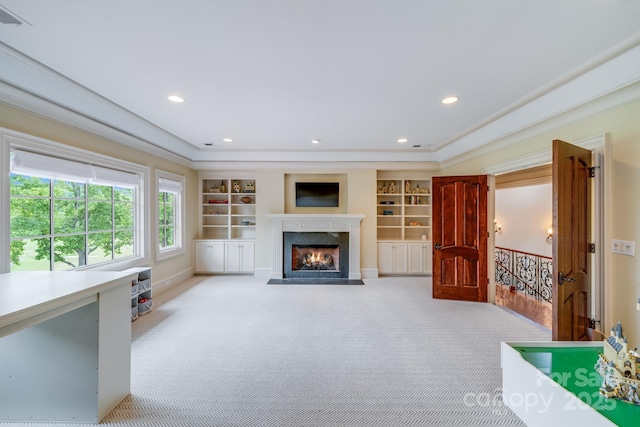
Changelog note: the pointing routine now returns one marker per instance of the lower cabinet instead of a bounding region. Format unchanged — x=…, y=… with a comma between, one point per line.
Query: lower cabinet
x=224, y=256
x=239, y=257
x=209, y=256
x=404, y=257
x=392, y=257
x=420, y=257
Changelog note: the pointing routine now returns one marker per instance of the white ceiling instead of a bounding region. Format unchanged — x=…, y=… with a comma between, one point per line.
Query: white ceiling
x=356, y=74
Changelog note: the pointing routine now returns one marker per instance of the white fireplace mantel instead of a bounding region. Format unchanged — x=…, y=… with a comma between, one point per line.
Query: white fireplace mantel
x=349, y=223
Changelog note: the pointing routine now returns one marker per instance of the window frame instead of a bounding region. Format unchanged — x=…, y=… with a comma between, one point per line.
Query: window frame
x=13, y=140
x=179, y=215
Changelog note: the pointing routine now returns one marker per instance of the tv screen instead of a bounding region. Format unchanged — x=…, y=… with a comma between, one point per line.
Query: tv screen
x=317, y=194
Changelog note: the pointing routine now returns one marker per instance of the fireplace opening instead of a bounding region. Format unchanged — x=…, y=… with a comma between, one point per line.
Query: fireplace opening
x=315, y=257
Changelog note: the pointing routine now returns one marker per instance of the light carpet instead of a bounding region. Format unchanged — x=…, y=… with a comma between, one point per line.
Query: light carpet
x=232, y=351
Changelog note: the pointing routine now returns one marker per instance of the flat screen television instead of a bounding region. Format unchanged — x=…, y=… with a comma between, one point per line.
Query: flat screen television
x=317, y=194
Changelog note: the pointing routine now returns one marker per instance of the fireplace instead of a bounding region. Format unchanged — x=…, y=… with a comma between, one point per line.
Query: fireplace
x=344, y=227
x=316, y=255
x=315, y=258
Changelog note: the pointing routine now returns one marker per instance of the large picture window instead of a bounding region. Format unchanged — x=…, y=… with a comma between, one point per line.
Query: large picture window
x=66, y=214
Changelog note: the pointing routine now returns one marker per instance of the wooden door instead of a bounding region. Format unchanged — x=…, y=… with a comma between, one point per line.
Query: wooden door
x=571, y=242
x=460, y=237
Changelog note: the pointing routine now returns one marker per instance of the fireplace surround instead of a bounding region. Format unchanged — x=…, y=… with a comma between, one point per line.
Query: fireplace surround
x=298, y=224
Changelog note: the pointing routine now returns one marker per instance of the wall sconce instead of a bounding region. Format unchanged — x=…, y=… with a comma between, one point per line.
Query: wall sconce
x=550, y=235
x=497, y=227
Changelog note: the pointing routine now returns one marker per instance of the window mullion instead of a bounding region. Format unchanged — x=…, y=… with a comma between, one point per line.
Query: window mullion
x=113, y=222
x=86, y=224
x=51, y=227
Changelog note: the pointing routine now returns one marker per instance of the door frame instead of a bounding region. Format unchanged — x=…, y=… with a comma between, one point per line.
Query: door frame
x=601, y=233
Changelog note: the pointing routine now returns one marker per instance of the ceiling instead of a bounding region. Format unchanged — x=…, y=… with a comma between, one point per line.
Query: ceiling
x=357, y=75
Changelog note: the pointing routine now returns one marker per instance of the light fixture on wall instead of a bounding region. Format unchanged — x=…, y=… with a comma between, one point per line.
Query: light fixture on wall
x=497, y=227
x=550, y=235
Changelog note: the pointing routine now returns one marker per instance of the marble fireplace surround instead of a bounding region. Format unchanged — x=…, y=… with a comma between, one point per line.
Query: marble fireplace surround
x=349, y=223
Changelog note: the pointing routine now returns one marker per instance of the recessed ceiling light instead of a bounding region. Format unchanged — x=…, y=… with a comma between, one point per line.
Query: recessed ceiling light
x=450, y=100
x=175, y=98
x=228, y=140
x=315, y=141
x=402, y=140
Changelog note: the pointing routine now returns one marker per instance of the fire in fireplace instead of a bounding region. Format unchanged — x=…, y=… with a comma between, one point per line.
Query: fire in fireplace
x=315, y=257
x=315, y=254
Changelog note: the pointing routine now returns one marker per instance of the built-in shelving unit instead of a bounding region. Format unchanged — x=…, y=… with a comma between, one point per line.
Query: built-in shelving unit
x=403, y=209
x=227, y=224
x=403, y=205
x=141, y=300
x=228, y=208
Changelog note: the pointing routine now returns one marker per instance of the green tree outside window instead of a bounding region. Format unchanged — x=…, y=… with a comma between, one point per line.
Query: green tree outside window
x=60, y=225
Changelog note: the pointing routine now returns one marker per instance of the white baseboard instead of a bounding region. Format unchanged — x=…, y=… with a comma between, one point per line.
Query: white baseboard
x=165, y=283
x=262, y=273
x=369, y=273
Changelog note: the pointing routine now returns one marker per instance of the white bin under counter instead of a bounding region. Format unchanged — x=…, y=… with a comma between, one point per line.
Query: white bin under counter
x=65, y=345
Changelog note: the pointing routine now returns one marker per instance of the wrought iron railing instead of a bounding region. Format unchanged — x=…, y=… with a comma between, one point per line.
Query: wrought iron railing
x=523, y=272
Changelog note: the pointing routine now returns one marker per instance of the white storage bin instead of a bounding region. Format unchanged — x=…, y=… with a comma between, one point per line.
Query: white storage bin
x=144, y=307
x=144, y=285
x=134, y=313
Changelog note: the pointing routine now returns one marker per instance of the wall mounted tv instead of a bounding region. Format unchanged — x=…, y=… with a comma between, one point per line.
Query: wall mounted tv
x=317, y=194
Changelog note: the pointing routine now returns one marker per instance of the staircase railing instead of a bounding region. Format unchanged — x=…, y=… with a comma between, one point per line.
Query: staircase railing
x=524, y=272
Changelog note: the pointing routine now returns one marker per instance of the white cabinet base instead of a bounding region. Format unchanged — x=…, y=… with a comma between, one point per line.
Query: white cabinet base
x=405, y=257
x=224, y=256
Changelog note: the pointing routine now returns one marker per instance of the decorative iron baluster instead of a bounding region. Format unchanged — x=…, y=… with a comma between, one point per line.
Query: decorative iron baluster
x=528, y=273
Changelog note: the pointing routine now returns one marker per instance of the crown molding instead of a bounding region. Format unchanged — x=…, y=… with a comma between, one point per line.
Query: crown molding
x=315, y=165
x=598, y=90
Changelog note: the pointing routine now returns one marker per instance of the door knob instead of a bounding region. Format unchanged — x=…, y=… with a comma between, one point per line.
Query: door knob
x=562, y=278
x=437, y=246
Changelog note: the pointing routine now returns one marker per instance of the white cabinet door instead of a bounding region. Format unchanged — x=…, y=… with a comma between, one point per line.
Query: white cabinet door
x=209, y=257
x=202, y=257
x=385, y=257
x=239, y=257
x=420, y=258
x=428, y=257
x=216, y=252
x=247, y=257
x=392, y=257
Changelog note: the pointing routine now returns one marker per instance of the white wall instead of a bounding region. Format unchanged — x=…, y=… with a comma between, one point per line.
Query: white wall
x=525, y=215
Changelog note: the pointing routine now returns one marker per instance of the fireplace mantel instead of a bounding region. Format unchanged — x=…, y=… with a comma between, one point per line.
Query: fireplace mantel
x=349, y=223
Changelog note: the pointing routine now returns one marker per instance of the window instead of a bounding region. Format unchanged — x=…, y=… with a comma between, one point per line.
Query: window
x=170, y=214
x=66, y=214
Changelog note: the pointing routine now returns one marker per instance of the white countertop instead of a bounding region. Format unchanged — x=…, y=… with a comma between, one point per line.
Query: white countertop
x=30, y=297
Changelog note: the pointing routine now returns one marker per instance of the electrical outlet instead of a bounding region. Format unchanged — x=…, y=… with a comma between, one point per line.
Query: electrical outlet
x=623, y=247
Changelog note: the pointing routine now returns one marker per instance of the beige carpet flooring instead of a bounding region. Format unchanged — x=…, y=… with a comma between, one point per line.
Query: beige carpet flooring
x=233, y=351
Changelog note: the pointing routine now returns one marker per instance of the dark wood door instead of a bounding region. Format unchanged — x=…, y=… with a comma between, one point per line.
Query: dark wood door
x=460, y=237
x=571, y=242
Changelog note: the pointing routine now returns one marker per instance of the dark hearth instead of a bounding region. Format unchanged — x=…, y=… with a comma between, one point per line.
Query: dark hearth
x=316, y=255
